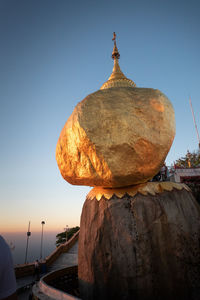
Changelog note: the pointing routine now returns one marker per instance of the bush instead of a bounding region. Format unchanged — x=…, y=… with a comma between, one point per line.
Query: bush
x=64, y=236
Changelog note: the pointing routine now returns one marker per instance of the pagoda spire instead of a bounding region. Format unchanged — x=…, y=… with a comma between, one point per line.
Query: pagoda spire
x=115, y=53
x=117, y=78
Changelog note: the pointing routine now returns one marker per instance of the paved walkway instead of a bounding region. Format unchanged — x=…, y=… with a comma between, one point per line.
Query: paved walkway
x=21, y=282
x=24, y=286
x=67, y=259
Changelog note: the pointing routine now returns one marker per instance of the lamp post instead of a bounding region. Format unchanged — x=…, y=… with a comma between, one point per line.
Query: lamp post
x=66, y=230
x=41, y=240
x=28, y=235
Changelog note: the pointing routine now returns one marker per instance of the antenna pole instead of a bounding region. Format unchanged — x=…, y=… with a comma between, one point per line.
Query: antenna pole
x=28, y=235
x=42, y=223
x=194, y=121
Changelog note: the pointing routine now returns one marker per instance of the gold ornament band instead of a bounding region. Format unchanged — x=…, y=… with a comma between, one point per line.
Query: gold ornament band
x=151, y=188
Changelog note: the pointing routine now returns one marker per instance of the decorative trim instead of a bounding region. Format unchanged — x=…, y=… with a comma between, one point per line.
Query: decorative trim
x=151, y=188
x=121, y=82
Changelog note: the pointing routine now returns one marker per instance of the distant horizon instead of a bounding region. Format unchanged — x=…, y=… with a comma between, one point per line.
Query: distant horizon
x=18, y=240
x=32, y=231
x=11, y=231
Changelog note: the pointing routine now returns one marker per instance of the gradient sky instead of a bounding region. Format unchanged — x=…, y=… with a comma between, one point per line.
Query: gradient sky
x=53, y=53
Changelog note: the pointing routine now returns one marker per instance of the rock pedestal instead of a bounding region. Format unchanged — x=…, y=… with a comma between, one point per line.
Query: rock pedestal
x=140, y=247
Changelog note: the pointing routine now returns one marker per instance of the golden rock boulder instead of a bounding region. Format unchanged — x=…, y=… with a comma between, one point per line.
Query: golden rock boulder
x=116, y=137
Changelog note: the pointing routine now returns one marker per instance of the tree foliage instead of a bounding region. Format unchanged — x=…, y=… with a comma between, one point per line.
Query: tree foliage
x=189, y=160
x=64, y=236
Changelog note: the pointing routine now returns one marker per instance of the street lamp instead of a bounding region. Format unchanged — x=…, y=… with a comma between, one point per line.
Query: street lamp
x=41, y=240
x=66, y=230
x=28, y=235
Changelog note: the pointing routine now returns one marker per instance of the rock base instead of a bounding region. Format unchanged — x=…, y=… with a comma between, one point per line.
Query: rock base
x=140, y=247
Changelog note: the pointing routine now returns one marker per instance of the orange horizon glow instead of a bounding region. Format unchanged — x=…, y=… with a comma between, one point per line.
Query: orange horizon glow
x=35, y=228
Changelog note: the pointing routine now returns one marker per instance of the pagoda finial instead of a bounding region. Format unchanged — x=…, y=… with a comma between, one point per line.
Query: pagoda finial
x=115, y=53
x=117, y=78
x=114, y=38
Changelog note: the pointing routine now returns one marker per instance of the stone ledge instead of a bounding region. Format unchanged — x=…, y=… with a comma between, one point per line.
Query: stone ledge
x=44, y=290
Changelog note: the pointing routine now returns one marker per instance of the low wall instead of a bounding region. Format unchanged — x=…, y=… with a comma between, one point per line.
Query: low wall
x=62, y=249
x=45, y=290
x=24, y=270
x=49, y=278
x=29, y=269
x=185, y=172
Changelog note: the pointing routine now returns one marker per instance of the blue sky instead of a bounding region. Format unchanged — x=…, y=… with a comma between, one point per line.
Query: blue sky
x=53, y=54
